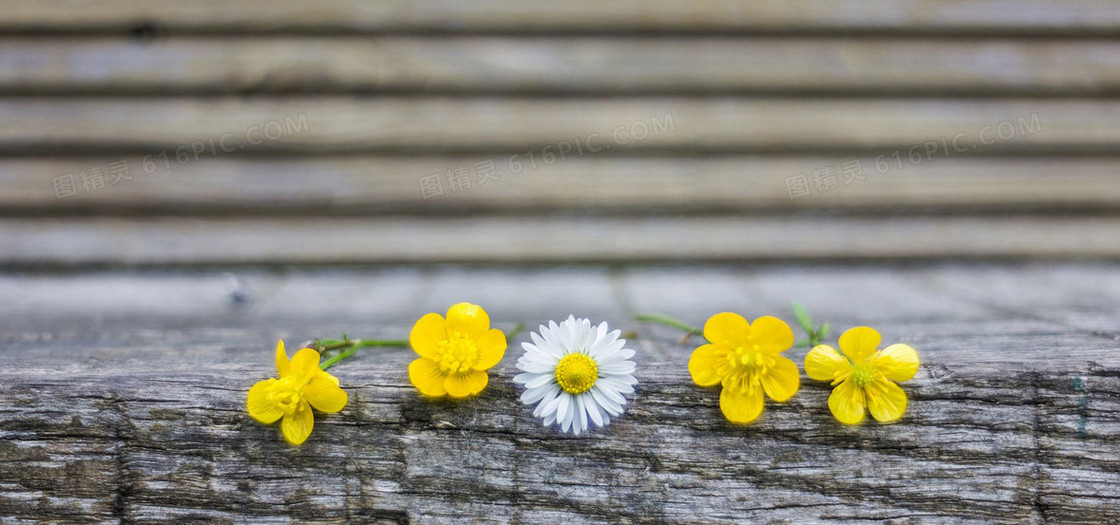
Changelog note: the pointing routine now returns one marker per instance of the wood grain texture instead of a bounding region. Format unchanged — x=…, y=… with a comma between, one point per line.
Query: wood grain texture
x=576, y=65
x=374, y=185
x=513, y=125
x=276, y=152
x=1075, y=17
x=245, y=241
x=127, y=420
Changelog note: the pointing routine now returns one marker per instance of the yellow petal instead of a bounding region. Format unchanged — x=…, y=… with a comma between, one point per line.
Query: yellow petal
x=305, y=364
x=824, y=363
x=708, y=364
x=782, y=380
x=859, y=343
x=885, y=400
x=772, y=334
x=426, y=377
x=426, y=334
x=297, y=425
x=324, y=393
x=491, y=347
x=467, y=384
x=898, y=362
x=741, y=405
x=846, y=403
x=260, y=407
x=468, y=319
x=281, y=359
x=728, y=329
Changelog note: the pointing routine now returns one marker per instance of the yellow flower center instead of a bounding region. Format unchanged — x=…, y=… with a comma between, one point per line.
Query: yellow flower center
x=862, y=375
x=458, y=354
x=576, y=373
x=751, y=358
x=287, y=395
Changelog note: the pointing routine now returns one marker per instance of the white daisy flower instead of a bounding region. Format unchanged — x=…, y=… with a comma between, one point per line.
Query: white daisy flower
x=576, y=374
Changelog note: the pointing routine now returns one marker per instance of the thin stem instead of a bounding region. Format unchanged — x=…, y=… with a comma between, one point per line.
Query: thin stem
x=339, y=357
x=380, y=342
x=351, y=346
x=515, y=331
x=669, y=321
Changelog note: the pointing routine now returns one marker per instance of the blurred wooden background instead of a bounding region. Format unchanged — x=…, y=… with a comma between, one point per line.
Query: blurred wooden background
x=348, y=132
x=183, y=183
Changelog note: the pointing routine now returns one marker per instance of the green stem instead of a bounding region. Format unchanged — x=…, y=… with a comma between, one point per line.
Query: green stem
x=669, y=321
x=350, y=346
x=326, y=345
x=381, y=342
x=338, y=357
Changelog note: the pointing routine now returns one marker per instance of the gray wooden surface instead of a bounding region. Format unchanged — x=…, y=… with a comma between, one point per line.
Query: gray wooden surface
x=183, y=183
x=122, y=400
x=982, y=129
x=984, y=17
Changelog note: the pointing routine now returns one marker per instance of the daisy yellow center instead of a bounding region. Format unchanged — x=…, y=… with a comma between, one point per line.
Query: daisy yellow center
x=751, y=358
x=458, y=354
x=287, y=395
x=862, y=375
x=576, y=373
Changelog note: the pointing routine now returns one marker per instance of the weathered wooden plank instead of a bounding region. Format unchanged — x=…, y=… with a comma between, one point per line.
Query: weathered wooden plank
x=217, y=127
x=143, y=315
x=994, y=432
x=560, y=65
x=369, y=185
x=1075, y=17
x=531, y=239
x=121, y=420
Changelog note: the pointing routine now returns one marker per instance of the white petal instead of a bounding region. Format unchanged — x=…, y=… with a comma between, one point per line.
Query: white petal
x=619, y=368
x=602, y=343
x=579, y=419
x=543, y=345
x=612, y=384
x=586, y=403
x=534, y=395
x=538, y=380
x=627, y=380
x=576, y=428
x=586, y=335
x=621, y=354
x=568, y=336
x=593, y=411
x=553, y=336
x=611, y=406
x=548, y=405
x=562, y=408
x=601, y=330
x=573, y=416
x=564, y=415
x=524, y=378
x=537, y=365
x=611, y=393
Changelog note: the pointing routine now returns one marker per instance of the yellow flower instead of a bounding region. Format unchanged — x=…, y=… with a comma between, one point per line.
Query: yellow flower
x=302, y=385
x=455, y=352
x=745, y=358
x=865, y=376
